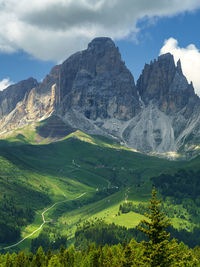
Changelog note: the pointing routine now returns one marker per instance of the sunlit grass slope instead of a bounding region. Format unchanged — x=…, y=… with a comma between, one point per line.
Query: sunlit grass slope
x=37, y=173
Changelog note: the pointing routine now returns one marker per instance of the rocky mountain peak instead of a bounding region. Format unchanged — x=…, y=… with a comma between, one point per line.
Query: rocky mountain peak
x=105, y=54
x=93, y=91
x=166, y=58
x=15, y=93
x=179, y=68
x=101, y=43
x=164, y=83
x=97, y=83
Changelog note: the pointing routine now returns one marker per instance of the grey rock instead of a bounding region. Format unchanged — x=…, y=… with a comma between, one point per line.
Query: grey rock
x=95, y=92
x=164, y=84
x=97, y=83
x=15, y=93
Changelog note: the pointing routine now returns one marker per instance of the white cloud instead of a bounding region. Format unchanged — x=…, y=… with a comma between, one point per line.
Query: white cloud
x=190, y=60
x=5, y=83
x=53, y=29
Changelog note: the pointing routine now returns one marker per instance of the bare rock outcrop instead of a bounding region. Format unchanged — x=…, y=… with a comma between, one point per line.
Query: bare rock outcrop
x=95, y=92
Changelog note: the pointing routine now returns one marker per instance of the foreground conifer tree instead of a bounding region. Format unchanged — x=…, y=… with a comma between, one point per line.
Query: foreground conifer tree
x=158, y=251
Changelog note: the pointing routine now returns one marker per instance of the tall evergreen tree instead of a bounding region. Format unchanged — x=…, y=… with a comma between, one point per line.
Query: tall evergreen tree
x=128, y=258
x=158, y=251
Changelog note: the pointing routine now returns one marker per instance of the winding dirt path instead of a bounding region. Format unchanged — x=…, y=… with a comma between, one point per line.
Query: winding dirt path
x=43, y=219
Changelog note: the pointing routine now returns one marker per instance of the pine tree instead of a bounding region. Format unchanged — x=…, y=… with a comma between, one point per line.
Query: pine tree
x=20, y=259
x=108, y=258
x=8, y=261
x=54, y=262
x=128, y=258
x=158, y=251
x=39, y=258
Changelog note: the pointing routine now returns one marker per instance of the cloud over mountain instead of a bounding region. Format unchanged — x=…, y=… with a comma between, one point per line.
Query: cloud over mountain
x=53, y=29
x=190, y=60
x=5, y=83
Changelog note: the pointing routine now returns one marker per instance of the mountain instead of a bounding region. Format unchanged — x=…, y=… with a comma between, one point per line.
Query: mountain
x=170, y=112
x=93, y=91
x=91, y=106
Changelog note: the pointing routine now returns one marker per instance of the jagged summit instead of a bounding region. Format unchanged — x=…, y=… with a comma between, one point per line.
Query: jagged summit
x=164, y=84
x=95, y=92
x=97, y=83
x=167, y=57
x=179, y=68
x=14, y=94
x=168, y=60
x=99, y=42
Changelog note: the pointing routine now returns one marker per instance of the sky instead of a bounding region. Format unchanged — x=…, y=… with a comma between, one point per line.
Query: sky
x=36, y=35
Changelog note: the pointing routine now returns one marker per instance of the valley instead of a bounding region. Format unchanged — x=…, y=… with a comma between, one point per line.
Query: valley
x=78, y=178
x=99, y=133
x=82, y=149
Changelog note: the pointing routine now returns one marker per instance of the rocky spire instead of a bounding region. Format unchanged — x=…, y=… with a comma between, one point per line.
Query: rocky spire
x=179, y=68
x=156, y=78
x=14, y=94
x=164, y=83
x=101, y=43
x=97, y=82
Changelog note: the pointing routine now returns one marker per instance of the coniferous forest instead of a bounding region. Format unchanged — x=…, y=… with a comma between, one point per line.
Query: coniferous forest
x=155, y=247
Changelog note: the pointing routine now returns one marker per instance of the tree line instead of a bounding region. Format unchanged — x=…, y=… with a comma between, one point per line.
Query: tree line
x=12, y=217
x=158, y=250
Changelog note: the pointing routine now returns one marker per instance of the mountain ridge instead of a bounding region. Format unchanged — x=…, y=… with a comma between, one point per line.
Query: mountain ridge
x=94, y=91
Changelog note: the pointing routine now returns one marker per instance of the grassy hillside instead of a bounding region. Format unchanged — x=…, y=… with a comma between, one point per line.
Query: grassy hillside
x=37, y=173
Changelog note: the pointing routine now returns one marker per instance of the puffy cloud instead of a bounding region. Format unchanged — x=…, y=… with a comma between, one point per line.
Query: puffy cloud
x=190, y=60
x=5, y=83
x=53, y=29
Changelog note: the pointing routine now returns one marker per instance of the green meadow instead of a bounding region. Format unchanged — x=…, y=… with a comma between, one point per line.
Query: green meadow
x=37, y=173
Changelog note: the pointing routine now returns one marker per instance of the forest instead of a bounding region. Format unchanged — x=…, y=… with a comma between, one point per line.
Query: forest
x=184, y=184
x=12, y=217
x=156, y=249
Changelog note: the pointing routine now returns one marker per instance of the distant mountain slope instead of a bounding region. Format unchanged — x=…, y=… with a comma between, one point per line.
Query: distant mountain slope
x=170, y=112
x=93, y=91
x=36, y=175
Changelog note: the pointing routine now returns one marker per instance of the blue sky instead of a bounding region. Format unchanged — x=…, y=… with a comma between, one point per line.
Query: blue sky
x=140, y=39
x=183, y=27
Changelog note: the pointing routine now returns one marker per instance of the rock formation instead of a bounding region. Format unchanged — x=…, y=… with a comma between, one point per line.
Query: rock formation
x=95, y=92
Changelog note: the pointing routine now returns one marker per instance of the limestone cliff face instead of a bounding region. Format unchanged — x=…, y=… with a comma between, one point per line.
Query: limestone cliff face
x=164, y=84
x=170, y=109
x=14, y=94
x=95, y=92
x=29, y=101
x=97, y=83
